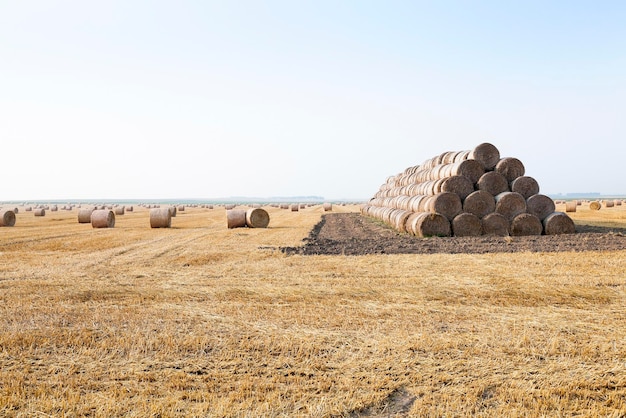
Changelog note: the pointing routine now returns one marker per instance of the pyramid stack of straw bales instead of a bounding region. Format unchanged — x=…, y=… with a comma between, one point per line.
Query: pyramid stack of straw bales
x=467, y=193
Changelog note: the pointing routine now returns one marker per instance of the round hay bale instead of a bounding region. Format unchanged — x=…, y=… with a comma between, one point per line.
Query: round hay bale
x=558, y=223
x=172, y=210
x=257, y=218
x=471, y=169
x=526, y=224
x=236, y=218
x=7, y=218
x=608, y=203
x=39, y=212
x=160, y=218
x=495, y=224
x=16, y=210
x=446, y=203
x=119, y=210
x=54, y=208
x=295, y=207
x=398, y=218
x=181, y=208
x=493, y=182
x=466, y=225
x=460, y=185
x=84, y=215
x=570, y=206
x=428, y=224
x=540, y=205
x=617, y=203
x=102, y=218
x=525, y=185
x=28, y=209
x=230, y=206
x=511, y=168
x=479, y=203
x=487, y=154
x=510, y=204
x=595, y=205
x=129, y=209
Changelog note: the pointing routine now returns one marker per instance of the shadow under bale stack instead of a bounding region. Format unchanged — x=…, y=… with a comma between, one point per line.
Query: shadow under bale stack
x=476, y=192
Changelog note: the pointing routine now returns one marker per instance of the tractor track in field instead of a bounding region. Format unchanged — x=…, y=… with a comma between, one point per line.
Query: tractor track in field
x=355, y=234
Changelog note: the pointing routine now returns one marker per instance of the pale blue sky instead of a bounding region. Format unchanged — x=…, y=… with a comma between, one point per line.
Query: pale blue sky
x=196, y=99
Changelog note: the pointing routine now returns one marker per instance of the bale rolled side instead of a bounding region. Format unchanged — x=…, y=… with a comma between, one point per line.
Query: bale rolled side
x=236, y=218
x=570, y=206
x=446, y=203
x=102, y=218
x=7, y=218
x=160, y=218
x=525, y=185
x=328, y=207
x=466, y=225
x=510, y=204
x=526, y=224
x=558, y=223
x=479, y=203
x=39, y=212
x=493, y=182
x=120, y=210
x=495, y=224
x=428, y=224
x=511, y=168
x=540, y=205
x=487, y=154
x=84, y=215
x=257, y=218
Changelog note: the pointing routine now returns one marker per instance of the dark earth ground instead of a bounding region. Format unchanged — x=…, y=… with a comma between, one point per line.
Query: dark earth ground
x=355, y=234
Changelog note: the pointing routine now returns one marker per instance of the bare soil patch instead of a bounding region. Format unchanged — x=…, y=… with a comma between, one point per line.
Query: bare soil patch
x=354, y=234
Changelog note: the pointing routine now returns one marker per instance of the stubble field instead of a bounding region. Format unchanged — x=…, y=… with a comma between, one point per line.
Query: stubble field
x=201, y=320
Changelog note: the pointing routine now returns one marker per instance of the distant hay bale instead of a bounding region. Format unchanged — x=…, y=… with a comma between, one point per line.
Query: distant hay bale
x=479, y=203
x=460, y=185
x=540, y=205
x=129, y=209
x=428, y=224
x=487, y=154
x=446, y=203
x=525, y=185
x=526, y=224
x=172, y=210
x=295, y=207
x=84, y=215
x=236, y=218
x=39, y=212
x=28, y=209
x=493, y=182
x=510, y=204
x=229, y=206
x=54, y=208
x=119, y=210
x=466, y=225
x=160, y=218
x=495, y=224
x=595, y=205
x=570, y=206
x=608, y=203
x=328, y=207
x=257, y=218
x=617, y=203
x=558, y=223
x=511, y=168
x=181, y=208
x=7, y=218
x=103, y=218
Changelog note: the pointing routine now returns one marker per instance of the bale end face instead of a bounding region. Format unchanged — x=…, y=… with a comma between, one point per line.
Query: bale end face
x=7, y=218
x=103, y=218
x=257, y=218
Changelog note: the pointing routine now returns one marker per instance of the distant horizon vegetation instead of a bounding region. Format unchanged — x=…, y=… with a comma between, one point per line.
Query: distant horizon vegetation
x=257, y=199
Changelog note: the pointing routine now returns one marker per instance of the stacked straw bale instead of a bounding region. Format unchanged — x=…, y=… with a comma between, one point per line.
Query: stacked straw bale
x=467, y=193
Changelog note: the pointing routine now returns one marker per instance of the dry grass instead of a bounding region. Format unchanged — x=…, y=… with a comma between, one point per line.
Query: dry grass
x=201, y=320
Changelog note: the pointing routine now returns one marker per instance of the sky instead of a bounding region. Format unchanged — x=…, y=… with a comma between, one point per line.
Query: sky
x=132, y=99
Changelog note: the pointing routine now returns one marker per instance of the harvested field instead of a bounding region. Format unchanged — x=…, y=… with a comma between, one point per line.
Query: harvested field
x=202, y=320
